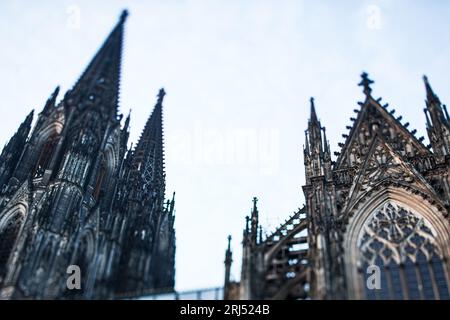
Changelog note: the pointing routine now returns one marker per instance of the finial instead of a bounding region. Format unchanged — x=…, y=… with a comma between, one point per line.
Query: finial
x=124, y=16
x=55, y=93
x=255, y=200
x=427, y=85
x=31, y=114
x=425, y=79
x=29, y=118
x=51, y=101
x=431, y=97
x=365, y=83
x=313, y=110
x=229, y=242
x=161, y=95
x=247, y=221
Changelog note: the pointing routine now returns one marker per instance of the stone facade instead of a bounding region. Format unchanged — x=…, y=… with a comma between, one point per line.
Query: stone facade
x=384, y=202
x=72, y=193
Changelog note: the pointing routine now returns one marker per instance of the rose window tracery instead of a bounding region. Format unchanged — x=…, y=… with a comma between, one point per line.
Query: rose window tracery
x=403, y=245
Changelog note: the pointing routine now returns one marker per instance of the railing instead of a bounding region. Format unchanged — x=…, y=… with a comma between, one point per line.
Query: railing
x=201, y=294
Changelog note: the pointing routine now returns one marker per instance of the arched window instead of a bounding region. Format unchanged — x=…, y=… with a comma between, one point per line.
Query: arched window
x=8, y=236
x=101, y=177
x=46, y=154
x=404, y=247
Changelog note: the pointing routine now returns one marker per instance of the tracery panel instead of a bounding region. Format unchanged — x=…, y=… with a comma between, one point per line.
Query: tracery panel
x=403, y=245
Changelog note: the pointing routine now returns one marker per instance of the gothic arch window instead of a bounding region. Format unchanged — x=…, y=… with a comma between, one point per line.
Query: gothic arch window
x=403, y=245
x=46, y=153
x=100, y=180
x=103, y=182
x=9, y=232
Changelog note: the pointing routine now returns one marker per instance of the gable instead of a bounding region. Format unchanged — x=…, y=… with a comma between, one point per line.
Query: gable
x=383, y=165
x=373, y=119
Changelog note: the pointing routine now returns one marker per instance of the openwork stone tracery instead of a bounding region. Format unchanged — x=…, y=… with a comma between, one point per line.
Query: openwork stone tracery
x=88, y=195
x=380, y=160
x=395, y=235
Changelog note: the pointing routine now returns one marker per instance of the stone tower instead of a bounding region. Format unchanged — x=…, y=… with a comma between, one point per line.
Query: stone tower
x=71, y=193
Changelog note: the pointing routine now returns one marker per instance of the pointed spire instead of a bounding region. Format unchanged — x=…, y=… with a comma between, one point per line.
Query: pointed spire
x=27, y=122
x=365, y=83
x=317, y=151
x=228, y=262
x=313, y=132
x=437, y=111
x=313, y=114
x=11, y=153
x=325, y=141
x=102, y=75
x=149, y=153
x=25, y=127
x=254, y=221
x=438, y=126
x=123, y=16
x=161, y=95
x=431, y=96
x=51, y=101
x=153, y=127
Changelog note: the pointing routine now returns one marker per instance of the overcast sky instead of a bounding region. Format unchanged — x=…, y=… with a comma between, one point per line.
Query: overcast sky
x=238, y=76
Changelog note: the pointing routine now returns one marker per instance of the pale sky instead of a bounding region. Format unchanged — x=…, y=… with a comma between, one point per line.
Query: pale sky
x=238, y=76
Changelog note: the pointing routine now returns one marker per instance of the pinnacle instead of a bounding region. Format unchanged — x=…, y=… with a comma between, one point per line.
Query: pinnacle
x=124, y=15
x=313, y=110
x=431, y=96
x=161, y=95
x=103, y=71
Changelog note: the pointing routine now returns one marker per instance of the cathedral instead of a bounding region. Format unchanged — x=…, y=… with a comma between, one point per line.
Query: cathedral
x=376, y=221
x=73, y=194
x=375, y=224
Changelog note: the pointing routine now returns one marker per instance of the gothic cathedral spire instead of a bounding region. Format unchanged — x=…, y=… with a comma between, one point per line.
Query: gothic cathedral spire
x=99, y=83
x=146, y=208
x=254, y=222
x=11, y=153
x=316, y=151
x=149, y=152
x=86, y=192
x=438, y=126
